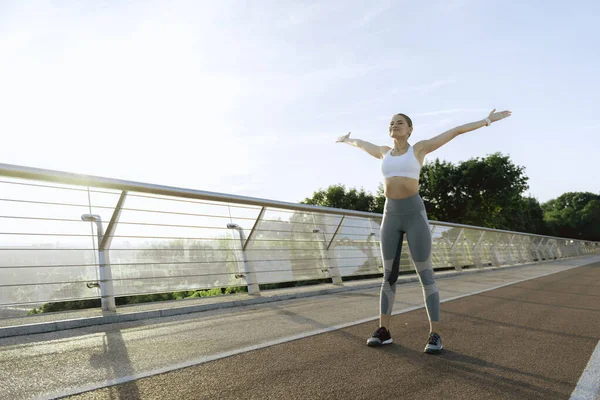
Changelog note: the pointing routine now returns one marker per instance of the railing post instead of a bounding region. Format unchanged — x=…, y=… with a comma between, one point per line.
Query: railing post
x=370, y=254
x=522, y=250
x=543, y=248
x=335, y=233
x=550, y=246
x=252, y=233
x=476, y=249
x=107, y=299
x=107, y=293
x=327, y=254
x=533, y=248
x=579, y=251
x=564, y=251
x=557, y=248
x=495, y=260
x=548, y=249
x=249, y=274
x=457, y=266
x=567, y=249
x=517, y=247
x=434, y=251
x=511, y=260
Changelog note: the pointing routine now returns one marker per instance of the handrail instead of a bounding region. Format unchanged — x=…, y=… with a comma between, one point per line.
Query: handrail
x=38, y=174
x=158, y=250
x=30, y=173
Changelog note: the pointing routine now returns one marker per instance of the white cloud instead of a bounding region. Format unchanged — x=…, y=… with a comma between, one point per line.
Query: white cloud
x=450, y=111
x=371, y=13
x=429, y=87
x=590, y=127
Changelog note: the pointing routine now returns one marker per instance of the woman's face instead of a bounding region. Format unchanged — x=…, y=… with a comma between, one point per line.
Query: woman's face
x=399, y=128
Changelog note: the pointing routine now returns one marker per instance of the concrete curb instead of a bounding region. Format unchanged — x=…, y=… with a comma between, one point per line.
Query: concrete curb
x=53, y=326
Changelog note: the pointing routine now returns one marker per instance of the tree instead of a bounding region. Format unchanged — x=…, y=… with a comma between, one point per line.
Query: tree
x=379, y=200
x=337, y=196
x=351, y=238
x=485, y=192
x=438, y=185
x=574, y=215
x=480, y=191
x=528, y=217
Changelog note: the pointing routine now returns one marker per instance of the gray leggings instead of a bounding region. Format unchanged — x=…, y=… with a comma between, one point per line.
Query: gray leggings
x=408, y=216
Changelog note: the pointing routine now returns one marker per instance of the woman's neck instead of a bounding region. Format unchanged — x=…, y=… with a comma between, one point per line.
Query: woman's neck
x=400, y=146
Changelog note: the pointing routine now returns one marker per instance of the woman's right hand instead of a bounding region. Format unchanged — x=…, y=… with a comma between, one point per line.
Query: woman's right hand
x=342, y=139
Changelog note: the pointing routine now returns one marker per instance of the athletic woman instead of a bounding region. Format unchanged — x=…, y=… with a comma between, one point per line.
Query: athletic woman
x=404, y=213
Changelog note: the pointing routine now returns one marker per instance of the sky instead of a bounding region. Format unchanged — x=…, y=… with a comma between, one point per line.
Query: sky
x=248, y=98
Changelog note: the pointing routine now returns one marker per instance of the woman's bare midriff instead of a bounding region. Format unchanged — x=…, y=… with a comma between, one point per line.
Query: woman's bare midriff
x=400, y=187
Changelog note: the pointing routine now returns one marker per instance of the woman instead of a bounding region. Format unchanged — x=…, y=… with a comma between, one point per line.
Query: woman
x=404, y=212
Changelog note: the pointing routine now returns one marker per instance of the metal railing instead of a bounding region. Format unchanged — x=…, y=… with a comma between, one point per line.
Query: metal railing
x=67, y=237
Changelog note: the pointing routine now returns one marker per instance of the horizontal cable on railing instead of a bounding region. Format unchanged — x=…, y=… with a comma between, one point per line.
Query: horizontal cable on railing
x=292, y=270
x=46, y=234
x=163, y=225
x=47, y=203
x=29, y=173
x=42, y=267
x=342, y=248
x=47, y=283
x=42, y=219
x=156, y=237
x=173, y=199
x=313, y=224
x=158, y=278
x=183, y=226
x=47, y=186
x=117, y=192
x=291, y=239
x=433, y=223
x=296, y=269
x=175, y=263
x=371, y=266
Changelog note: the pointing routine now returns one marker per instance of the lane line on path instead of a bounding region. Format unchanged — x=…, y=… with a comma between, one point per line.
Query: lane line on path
x=205, y=359
x=588, y=387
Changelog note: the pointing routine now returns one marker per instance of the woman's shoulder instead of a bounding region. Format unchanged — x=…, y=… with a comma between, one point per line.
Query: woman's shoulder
x=384, y=150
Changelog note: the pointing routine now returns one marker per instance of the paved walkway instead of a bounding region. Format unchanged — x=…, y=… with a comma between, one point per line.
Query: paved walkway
x=524, y=332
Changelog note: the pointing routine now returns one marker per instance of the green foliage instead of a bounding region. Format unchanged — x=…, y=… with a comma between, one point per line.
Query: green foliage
x=574, y=215
x=65, y=306
x=528, y=217
x=95, y=303
x=379, y=201
x=486, y=192
x=480, y=191
x=337, y=196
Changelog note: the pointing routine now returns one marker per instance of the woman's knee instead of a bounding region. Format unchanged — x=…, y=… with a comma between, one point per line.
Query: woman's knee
x=427, y=277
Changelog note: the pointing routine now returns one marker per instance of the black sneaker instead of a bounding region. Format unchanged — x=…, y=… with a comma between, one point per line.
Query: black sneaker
x=435, y=344
x=380, y=337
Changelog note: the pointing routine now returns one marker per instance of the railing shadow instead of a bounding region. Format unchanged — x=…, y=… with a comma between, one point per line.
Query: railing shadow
x=115, y=364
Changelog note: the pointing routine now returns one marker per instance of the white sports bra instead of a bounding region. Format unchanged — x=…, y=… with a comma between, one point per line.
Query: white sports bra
x=405, y=165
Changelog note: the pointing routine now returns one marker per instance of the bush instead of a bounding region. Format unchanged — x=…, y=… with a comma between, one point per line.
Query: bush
x=124, y=300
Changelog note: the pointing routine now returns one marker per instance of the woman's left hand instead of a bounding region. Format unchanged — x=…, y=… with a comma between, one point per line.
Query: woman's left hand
x=497, y=116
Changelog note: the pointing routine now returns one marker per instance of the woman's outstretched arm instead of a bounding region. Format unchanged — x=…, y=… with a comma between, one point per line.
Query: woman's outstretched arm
x=427, y=146
x=372, y=149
